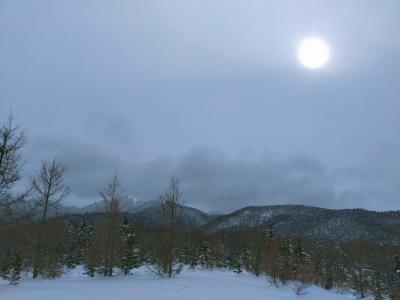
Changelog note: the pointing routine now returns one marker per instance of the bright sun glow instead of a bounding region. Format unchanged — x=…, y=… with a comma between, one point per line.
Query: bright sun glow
x=313, y=53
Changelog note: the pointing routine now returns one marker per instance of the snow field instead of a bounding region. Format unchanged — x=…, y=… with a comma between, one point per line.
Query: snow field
x=144, y=285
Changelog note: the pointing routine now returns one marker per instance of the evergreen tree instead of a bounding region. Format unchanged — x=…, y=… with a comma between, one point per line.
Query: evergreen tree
x=328, y=277
x=73, y=255
x=204, y=255
x=270, y=232
x=11, y=267
x=128, y=253
x=229, y=260
x=237, y=264
x=189, y=256
x=86, y=235
x=299, y=265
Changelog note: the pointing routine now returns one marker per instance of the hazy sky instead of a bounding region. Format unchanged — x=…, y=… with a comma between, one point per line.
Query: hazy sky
x=212, y=92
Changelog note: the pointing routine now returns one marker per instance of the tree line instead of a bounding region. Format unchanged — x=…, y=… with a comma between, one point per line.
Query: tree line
x=35, y=241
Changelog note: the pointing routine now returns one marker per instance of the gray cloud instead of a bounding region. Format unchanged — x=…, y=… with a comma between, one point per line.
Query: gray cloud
x=153, y=87
x=213, y=181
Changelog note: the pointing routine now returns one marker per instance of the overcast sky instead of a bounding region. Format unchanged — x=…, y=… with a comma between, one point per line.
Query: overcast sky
x=210, y=91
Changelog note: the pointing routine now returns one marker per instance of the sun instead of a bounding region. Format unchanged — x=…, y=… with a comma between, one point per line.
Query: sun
x=313, y=52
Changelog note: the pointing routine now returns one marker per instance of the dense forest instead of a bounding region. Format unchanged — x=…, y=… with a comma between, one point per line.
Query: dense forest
x=36, y=242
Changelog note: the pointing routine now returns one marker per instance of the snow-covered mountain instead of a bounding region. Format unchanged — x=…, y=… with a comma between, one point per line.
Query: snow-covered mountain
x=152, y=215
x=317, y=222
x=289, y=220
x=127, y=205
x=149, y=212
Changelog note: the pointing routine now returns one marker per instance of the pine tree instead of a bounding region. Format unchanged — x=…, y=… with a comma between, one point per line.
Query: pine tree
x=300, y=268
x=223, y=252
x=204, y=255
x=228, y=259
x=328, y=277
x=237, y=264
x=129, y=253
x=189, y=256
x=86, y=235
x=11, y=267
x=73, y=252
x=270, y=232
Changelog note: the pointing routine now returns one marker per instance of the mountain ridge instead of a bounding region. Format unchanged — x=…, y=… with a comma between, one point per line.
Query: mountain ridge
x=286, y=219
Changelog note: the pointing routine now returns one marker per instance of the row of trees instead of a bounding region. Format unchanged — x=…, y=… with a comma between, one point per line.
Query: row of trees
x=367, y=269
x=29, y=206
x=34, y=240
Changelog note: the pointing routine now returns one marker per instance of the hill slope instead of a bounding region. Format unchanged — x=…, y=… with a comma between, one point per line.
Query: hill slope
x=296, y=220
x=286, y=220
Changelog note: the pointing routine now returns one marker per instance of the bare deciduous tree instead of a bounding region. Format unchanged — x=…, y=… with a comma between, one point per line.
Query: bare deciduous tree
x=111, y=199
x=49, y=190
x=167, y=258
x=12, y=138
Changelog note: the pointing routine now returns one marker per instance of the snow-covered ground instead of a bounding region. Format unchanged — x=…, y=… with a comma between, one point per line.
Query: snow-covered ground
x=143, y=285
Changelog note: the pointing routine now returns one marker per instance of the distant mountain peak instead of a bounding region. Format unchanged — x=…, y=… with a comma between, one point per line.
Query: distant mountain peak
x=286, y=220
